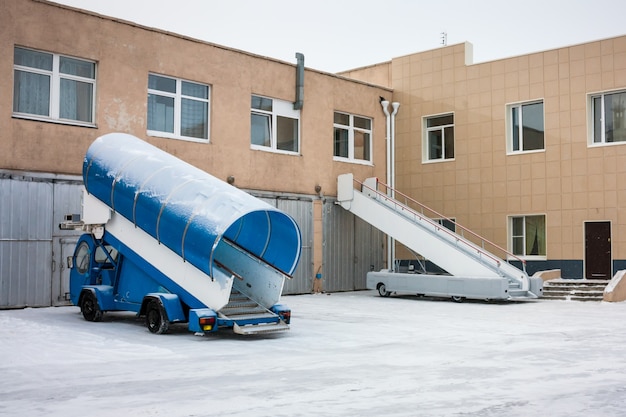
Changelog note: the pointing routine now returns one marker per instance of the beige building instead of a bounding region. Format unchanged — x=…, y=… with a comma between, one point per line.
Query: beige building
x=528, y=151
x=70, y=76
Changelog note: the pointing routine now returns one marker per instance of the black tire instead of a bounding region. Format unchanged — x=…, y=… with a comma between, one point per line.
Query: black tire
x=382, y=290
x=90, y=308
x=458, y=298
x=156, y=318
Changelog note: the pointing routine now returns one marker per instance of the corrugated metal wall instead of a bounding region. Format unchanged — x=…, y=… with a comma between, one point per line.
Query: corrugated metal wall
x=369, y=251
x=29, y=264
x=25, y=242
x=301, y=209
x=351, y=248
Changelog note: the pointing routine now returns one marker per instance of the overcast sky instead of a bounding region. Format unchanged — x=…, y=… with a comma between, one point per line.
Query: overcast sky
x=336, y=35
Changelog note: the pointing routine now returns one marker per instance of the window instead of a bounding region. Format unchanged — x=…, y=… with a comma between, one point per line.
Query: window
x=449, y=224
x=528, y=235
x=274, y=125
x=439, y=134
x=608, y=119
x=353, y=137
x=105, y=254
x=177, y=108
x=81, y=258
x=53, y=87
x=525, y=127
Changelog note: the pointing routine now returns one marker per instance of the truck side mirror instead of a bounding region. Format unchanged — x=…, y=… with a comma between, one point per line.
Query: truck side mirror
x=70, y=262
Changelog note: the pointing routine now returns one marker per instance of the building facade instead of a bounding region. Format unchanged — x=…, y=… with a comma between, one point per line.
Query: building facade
x=527, y=151
x=70, y=76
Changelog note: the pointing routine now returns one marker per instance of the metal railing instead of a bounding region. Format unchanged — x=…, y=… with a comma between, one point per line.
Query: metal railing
x=478, y=245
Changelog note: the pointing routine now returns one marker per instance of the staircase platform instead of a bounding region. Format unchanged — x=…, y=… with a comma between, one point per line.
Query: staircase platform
x=575, y=289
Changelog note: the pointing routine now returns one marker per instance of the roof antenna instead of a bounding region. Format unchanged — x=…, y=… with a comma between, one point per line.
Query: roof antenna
x=444, y=38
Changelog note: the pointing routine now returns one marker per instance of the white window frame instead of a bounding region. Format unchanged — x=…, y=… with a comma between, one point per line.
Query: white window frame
x=591, y=121
x=55, y=89
x=442, y=129
x=509, y=127
x=351, y=128
x=524, y=236
x=280, y=108
x=178, y=97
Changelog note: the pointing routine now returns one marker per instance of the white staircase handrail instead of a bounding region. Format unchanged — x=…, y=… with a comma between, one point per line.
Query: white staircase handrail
x=405, y=207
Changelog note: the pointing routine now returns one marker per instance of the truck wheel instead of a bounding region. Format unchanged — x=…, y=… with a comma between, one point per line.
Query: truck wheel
x=90, y=308
x=156, y=319
x=458, y=298
x=382, y=290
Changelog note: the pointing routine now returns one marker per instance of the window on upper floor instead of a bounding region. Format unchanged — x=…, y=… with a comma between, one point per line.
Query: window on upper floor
x=178, y=109
x=525, y=127
x=527, y=235
x=352, y=138
x=53, y=87
x=439, y=134
x=608, y=117
x=274, y=125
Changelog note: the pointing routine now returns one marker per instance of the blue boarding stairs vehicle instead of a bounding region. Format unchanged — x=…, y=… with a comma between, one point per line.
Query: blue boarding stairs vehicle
x=177, y=245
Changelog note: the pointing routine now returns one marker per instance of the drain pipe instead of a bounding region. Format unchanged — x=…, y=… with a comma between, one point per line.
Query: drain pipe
x=385, y=104
x=390, y=242
x=391, y=171
x=392, y=183
x=297, y=105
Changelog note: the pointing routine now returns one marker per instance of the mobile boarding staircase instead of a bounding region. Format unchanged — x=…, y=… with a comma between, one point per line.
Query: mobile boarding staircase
x=473, y=272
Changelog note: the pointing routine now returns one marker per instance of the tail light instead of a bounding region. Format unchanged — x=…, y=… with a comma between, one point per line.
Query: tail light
x=286, y=316
x=206, y=323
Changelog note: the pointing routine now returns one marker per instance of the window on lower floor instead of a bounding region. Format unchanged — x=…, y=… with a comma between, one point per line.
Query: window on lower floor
x=449, y=224
x=177, y=108
x=525, y=127
x=274, y=125
x=528, y=235
x=439, y=134
x=352, y=137
x=608, y=117
x=53, y=87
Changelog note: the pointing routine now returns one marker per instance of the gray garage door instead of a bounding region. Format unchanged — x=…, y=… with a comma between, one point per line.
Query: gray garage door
x=30, y=263
x=352, y=247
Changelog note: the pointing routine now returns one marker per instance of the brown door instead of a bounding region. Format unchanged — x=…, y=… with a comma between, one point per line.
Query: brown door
x=598, y=250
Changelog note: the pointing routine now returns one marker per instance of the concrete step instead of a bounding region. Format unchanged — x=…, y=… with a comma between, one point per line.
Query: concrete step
x=577, y=282
x=574, y=289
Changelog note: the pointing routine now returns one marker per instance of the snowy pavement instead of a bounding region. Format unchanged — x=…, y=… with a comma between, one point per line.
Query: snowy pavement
x=347, y=354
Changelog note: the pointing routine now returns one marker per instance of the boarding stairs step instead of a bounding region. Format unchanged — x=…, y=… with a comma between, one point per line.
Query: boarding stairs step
x=575, y=289
x=234, y=312
x=261, y=328
x=517, y=294
x=248, y=316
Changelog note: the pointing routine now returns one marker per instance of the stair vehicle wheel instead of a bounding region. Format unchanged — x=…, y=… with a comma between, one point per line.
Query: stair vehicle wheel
x=156, y=318
x=90, y=308
x=458, y=298
x=382, y=290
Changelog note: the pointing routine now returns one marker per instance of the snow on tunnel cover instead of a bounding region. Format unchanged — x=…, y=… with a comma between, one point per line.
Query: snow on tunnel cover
x=185, y=208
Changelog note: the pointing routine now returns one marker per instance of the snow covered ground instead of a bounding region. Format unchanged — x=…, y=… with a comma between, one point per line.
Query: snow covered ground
x=347, y=354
